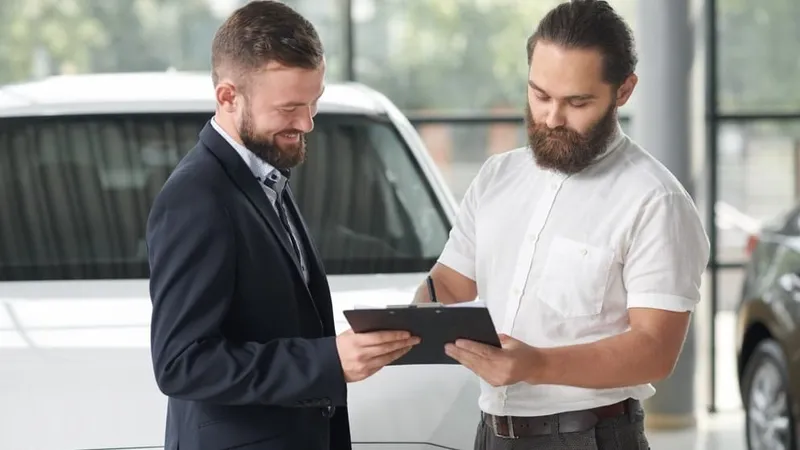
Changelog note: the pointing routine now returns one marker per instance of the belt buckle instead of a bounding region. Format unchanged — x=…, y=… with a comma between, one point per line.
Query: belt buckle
x=510, y=424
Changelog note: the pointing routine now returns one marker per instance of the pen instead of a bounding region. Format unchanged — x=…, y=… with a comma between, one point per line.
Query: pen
x=431, y=290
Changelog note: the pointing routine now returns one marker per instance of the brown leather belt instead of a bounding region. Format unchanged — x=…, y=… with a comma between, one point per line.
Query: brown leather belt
x=566, y=422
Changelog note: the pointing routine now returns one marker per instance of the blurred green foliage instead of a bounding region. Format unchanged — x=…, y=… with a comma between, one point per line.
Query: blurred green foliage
x=456, y=55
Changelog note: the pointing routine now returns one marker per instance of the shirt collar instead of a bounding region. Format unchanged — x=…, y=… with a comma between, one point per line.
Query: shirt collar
x=618, y=136
x=262, y=170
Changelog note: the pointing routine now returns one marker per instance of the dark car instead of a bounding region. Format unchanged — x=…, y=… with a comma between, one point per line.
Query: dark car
x=768, y=336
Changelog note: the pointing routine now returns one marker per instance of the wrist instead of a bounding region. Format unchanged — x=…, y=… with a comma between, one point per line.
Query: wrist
x=540, y=366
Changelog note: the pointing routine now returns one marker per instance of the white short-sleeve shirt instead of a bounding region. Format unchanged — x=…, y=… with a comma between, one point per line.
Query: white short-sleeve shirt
x=559, y=259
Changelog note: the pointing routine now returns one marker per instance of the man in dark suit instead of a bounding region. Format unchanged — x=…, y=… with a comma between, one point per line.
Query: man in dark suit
x=243, y=339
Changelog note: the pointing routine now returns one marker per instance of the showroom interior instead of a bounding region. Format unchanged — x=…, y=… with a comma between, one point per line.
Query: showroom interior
x=718, y=103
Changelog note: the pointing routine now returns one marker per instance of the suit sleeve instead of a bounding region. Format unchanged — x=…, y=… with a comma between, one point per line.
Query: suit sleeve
x=191, y=249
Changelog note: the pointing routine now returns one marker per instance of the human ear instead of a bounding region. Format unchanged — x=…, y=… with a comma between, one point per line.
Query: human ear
x=626, y=89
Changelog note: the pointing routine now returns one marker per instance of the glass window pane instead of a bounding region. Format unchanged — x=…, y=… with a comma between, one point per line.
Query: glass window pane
x=759, y=180
x=460, y=150
x=327, y=17
x=76, y=193
x=450, y=55
x=133, y=36
x=758, y=68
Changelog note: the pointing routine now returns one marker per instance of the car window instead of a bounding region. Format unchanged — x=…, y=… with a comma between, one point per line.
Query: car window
x=76, y=191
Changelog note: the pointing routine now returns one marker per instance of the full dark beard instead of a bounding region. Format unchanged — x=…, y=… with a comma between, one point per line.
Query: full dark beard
x=567, y=151
x=278, y=156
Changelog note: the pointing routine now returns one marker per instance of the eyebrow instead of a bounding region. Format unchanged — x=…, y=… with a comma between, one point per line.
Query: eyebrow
x=293, y=104
x=569, y=97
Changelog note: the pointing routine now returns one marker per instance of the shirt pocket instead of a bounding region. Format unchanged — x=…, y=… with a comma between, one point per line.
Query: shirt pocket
x=574, y=278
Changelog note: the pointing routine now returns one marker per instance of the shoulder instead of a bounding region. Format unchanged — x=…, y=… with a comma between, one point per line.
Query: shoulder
x=196, y=181
x=501, y=164
x=659, y=201
x=511, y=158
x=642, y=173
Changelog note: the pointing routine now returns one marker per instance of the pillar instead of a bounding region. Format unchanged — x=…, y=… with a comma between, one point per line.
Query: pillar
x=661, y=119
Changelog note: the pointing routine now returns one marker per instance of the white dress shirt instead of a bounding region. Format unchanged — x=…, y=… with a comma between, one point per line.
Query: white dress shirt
x=559, y=259
x=263, y=170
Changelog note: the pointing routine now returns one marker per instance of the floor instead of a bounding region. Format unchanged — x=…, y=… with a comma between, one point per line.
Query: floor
x=725, y=429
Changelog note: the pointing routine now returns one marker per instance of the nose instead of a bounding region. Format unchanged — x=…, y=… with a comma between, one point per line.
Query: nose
x=555, y=117
x=304, y=120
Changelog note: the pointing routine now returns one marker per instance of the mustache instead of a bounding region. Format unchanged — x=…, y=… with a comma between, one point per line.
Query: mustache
x=291, y=131
x=561, y=133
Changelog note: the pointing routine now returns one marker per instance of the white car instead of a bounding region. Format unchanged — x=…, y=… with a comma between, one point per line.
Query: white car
x=81, y=158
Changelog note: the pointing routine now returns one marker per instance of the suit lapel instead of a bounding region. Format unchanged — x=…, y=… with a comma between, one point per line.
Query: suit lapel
x=247, y=183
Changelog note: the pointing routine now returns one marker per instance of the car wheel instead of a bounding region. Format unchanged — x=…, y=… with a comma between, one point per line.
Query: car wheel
x=769, y=424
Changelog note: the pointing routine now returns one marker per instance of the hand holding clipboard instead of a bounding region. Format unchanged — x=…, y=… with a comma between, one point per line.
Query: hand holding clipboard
x=436, y=324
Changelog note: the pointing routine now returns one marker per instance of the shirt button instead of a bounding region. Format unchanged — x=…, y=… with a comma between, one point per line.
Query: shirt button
x=516, y=292
x=584, y=252
x=554, y=186
x=533, y=237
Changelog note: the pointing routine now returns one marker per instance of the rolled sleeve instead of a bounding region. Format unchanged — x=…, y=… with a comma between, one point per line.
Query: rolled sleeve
x=669, y=252
x=453, y=258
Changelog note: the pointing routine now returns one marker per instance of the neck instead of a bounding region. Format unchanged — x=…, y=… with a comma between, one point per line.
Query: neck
x=225, y=121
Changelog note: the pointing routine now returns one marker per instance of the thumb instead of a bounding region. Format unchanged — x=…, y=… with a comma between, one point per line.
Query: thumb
x=505, y=339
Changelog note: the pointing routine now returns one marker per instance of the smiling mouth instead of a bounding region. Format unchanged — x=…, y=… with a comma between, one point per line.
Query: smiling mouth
x=294, y=136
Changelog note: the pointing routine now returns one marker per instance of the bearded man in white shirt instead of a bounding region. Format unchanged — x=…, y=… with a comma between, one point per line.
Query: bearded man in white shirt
x=587, y=251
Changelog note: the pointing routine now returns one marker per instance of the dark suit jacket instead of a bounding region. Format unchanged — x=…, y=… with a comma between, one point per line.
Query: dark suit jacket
x=241, y=345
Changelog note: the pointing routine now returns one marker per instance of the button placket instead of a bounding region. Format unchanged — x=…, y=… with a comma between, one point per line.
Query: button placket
x=526, y=254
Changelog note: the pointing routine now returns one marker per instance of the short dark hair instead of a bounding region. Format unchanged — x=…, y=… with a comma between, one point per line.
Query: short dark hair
x=590, y=24
x=260, y=32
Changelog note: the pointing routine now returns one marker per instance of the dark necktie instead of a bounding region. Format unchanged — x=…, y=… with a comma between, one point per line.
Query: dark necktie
x=280, y=206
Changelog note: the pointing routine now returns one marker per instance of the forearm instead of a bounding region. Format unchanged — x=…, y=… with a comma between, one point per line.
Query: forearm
x=449, y=285
x=443, y=295
x=284, y=372
x=628, y=359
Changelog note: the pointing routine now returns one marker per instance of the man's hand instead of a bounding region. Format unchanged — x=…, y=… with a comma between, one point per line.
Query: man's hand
x=511, y=364
x=363, y=354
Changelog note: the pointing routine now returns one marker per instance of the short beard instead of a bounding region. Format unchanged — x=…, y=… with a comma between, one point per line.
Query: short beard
x=567, y=151
x=281, y=157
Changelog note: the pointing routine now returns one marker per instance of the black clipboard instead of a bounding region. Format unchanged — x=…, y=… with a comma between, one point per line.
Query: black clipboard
x=435, y=324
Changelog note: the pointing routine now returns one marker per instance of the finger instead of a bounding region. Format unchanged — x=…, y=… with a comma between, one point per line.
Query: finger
x=506, y=340
x=467, y=359
x=477, y=365
x=475, y=347
x=381, y=337
x=375, y=351
x=387, y=358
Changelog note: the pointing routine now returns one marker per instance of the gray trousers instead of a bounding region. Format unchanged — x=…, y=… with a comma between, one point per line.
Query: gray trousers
x=625, y=432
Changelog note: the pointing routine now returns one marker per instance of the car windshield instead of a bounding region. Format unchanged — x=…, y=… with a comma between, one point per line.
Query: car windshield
x=75, y=193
